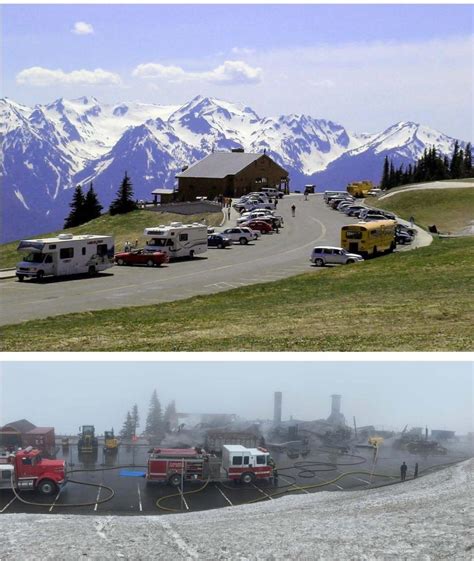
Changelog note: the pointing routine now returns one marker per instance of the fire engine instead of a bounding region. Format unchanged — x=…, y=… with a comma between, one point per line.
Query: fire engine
x=30, y=472
x=172, y=466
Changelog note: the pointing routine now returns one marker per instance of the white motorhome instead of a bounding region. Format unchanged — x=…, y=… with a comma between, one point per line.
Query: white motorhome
x=65, y=255
x=177, y=239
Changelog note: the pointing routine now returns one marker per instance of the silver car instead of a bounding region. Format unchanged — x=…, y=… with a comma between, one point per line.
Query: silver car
x=328, y=255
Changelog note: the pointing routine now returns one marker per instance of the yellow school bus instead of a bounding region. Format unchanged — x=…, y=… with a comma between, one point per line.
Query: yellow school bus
x=369, y=238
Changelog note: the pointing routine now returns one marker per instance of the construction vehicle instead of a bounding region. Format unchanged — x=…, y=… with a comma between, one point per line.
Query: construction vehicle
x=87, y=442
x=27, y=470
x=110, y=442
x=174, y=466
x=360, y=189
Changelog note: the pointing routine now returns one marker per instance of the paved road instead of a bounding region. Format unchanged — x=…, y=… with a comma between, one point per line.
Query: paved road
x=272, y=257
x=134, y=497
x=431, y=185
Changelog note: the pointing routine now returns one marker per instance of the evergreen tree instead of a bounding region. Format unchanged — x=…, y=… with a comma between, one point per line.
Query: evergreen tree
x=455, y=167
x=135, y=419
x=92, y=207
x=127, y=430
x=468, y=161
x=154, y=420
x=76, y=216
x=385, y=174
x=169, y=416
x=124, y=201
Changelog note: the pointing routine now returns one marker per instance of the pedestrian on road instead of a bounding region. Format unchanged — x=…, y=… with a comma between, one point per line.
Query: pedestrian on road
x=415, y=475
x=276, y=202
x=403, y=471
x=275, y=227
x=412, y=221
x=306, y=195
x=228, y=213
x=293, y=210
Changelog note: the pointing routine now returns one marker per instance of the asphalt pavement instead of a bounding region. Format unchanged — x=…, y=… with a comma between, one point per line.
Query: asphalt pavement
x=133, y=496
x=273, y=256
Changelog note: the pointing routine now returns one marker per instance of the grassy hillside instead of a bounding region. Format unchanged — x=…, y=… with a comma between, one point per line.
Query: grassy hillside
x=450, y=209
x=125, y=227
x=419, y=300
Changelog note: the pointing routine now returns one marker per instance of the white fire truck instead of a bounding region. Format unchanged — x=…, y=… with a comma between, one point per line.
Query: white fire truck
x=172, y=466
x=177, y=239
x=29, y=471
x=65, y=255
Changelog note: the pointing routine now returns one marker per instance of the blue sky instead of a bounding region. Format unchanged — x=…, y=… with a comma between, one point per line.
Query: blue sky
x=366, y=66
x=66, y=395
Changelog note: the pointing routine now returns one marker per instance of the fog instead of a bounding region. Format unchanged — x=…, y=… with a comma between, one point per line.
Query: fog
x=390, y=395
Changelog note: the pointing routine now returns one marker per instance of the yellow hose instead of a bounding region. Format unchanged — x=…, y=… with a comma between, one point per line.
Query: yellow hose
x=168, y=509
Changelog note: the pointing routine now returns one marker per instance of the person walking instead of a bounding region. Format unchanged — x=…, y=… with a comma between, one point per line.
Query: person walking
x=293, y=210
x=228, y=213
x=403, y=471
x=412, y=221
x=415, y=475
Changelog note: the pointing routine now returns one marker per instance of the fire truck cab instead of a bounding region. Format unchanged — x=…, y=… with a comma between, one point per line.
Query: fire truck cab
x=246, y=464
x=29, y=472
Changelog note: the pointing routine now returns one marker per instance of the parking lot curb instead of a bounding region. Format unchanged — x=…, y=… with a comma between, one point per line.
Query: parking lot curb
x=7, y=273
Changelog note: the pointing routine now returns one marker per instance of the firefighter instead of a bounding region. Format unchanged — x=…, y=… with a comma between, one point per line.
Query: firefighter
x=403, y=471
x=272, y=464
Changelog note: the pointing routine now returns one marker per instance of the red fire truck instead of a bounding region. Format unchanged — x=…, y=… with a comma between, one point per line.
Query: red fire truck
x=30, y=472
x=172, y=465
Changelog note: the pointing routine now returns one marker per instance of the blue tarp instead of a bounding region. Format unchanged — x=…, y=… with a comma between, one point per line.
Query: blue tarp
x=127, y=473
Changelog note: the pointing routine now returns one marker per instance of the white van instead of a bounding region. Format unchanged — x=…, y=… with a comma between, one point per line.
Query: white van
x=65, y=255
x=177, y=239
x=272, y=192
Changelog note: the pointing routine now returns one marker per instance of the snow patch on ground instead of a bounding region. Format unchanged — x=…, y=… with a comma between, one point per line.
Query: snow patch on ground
x=425, y=519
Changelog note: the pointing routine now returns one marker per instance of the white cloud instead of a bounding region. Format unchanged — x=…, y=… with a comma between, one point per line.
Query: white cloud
x=244, y=51
x=38, y=76
x=230, y=72
x=82, y=28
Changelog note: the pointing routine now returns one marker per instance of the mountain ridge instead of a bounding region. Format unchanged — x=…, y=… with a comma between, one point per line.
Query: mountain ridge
x=48, y=149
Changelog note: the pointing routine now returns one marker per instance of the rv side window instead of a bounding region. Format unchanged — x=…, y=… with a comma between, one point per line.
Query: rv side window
x=169, y=243
x=52, y=246
x=66, y=253
x=83, y=251
x=102, y=250
x=49, y=259
x=261, y=460
x=237, y=461
x=183, y=237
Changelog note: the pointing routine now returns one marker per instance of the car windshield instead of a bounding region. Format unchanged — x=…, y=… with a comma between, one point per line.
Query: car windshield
x=35, y=258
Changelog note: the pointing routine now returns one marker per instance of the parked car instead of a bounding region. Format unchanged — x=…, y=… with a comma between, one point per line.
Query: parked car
x=260, y=225
x=328, y=255
x=239, y=235
x=218, y=240
x=254, y=233
x=350, y=210
x=403, y=237
x=140, y=257
x=373, y=216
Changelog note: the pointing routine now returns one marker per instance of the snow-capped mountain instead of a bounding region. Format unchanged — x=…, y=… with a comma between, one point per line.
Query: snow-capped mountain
x=48, y=149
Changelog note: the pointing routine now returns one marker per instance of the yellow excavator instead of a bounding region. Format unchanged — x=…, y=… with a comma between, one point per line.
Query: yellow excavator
x=110, y=442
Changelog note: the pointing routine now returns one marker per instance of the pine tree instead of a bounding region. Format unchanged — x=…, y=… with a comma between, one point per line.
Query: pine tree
x=127, y=430
x=169, y=416
x=92, y=207
x=468, y=161
x=385, y=174
x=455, y=167
x=135, y=419
x=124, y=201
x=76, y=216
x=154, y=420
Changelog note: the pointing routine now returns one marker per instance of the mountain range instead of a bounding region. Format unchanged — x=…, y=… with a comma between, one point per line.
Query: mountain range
x=49, y=149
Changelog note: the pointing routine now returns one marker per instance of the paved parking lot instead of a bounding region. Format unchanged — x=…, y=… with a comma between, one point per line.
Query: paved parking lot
x=272, y=257
x=134, y=497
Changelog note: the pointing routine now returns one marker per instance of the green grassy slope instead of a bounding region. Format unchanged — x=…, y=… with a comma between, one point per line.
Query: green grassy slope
x=450, y=209
x=419, y=300
x=125, y=227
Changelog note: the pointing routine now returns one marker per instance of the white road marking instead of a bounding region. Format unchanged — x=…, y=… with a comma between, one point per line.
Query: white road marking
x=262, y=491
x=6, y=506
x=139, y=498
x=362, y=480
x=335, y=484
x=225, y=496
x=57, y=497
x=183, y=499
x=97, y=499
